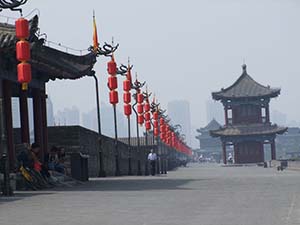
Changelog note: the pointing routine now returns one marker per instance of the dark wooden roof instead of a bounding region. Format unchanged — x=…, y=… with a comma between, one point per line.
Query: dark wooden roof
x=212, y=125
x=248, y=130
x=47, y=63
x=246, y=87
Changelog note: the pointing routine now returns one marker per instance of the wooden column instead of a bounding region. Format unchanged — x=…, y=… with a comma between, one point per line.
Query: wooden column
x=224, y=152
x=38, y=121
x=236, y=153
x=273, y=150
x=25, y=135
x=226, y=115
x=7, y=86
x=3, y=131
x=44, y=121
x=267, y=113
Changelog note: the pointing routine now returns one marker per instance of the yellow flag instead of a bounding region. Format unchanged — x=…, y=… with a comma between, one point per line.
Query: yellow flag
x=95, y=35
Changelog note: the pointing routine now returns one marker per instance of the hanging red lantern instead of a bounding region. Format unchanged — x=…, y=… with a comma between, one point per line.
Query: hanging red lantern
x=112, y=82
x=22, y=28
x=155, y=124
x=140, y=119
x=147, y=116
x=113, y=97
x=147, y=107
x=23, y=51
x=155, y=132
x=112, y=66
x=127, y=109
x=161, y=121
x=24, y=72
x=148, y=125
x=140, y=108
x=126, y=97
x=140, y=98
x=126, y=85
x=155, y=115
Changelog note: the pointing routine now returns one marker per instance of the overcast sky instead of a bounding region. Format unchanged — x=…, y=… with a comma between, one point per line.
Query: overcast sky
x=183, y=49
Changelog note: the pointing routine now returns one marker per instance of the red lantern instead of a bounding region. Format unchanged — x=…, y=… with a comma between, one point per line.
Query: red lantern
x=147, y=107
x=112, y=67
x=162, y=136
x=155, y=124
x=140, y=119
x=24, y=72
x=127, y=109
x=140, y=108
x=126, y=85
x=113, y=97
x=161, y=121
x=112, y=82
x=127, y=97
x=23, y=51
x=155, y=132
x=140, y=98
x=148, y=125
x=147, y=116
x=155, y=115
x=22, y=28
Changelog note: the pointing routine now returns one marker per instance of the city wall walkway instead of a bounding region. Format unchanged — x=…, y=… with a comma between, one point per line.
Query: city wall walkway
x=200, y=194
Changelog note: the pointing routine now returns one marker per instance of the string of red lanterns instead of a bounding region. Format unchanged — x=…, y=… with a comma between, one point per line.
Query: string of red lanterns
x=140, y=107
x=127, y=95
x=147, y=114
x=112, y=81
x=23, y=52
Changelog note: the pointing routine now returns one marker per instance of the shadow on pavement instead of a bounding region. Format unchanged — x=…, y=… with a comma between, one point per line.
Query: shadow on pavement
x=134, y=184
x=21, y=195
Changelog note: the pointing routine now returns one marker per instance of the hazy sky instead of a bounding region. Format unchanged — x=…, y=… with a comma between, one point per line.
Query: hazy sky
x=183, y=49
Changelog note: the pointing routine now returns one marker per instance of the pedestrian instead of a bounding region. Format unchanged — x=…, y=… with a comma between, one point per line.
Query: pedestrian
x=152, y=157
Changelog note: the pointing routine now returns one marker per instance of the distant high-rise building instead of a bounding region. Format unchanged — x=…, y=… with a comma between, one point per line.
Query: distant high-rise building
x=68, y=116
x=89, y=120
x=215, y=111
x=179, y=112
x=279, y=117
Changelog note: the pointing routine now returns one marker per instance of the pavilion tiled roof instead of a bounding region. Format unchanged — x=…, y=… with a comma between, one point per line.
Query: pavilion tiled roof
x=248, y=130
x=49, y=62
x=246, y=87
x=212, y=125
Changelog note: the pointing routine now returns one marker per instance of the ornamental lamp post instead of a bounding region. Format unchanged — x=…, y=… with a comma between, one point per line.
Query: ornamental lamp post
x=106, y=50
x=114, y=99
x=147, y=117
x=127, y=83
x=139, y=98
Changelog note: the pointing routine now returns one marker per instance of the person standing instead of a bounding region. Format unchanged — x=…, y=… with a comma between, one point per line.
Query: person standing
x=152, y=157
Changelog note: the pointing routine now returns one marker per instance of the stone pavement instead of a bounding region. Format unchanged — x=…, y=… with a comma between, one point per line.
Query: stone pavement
x=199, y=194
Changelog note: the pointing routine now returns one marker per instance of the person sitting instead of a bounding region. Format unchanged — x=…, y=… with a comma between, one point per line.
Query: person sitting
x=56, y=160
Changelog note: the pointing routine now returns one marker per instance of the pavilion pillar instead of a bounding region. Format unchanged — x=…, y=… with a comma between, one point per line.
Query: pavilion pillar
x=273, y=150
x=44, y=121
x=267, y=113
x=7, y=87
x=3, y=131
x=38, y=121
x=224, y=152
x=226, y=115
x=236, y=153
x=25, y=135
